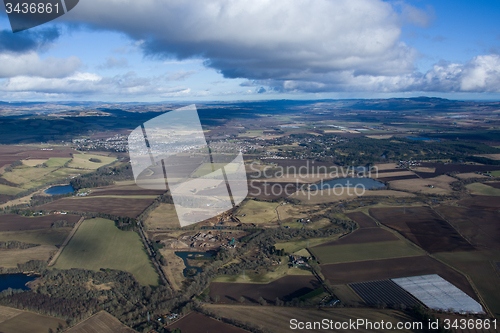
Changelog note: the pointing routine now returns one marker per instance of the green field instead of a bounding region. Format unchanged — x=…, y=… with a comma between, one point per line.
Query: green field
x=257, y=212
x=57, y=161
x=27, y=176
x=368, y=251
x=82, y=161
x=99, y=244
x=478, y=188
x=9, y=190
x=207, y=168
x=296, y=246
x=37, y=172
x=250, y=277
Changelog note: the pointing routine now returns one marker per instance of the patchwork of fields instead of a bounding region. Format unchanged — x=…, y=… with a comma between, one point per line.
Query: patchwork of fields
x=17, y=321
x=99, y=244
x=286, y=288
x=122, y=206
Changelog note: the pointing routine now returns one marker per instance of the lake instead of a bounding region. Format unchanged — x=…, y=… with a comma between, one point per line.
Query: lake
x=60, y=189
x=15, y=281
x=191, y=255
x=420, y=138
x=367, y=183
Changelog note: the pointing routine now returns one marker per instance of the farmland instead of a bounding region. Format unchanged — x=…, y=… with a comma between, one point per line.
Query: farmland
x=481, y=202
x=101, y=322
x=52, y=236
x=257, y=212
x=363, y=220
x=123, y=188
x=423, y=227
x=286, y=288
x=41, y=166
x=163, y=217
x=483, y=189
x=122, y=206
x=278, y=272
x=384, y=269
x=196, y=322
x=17, y=321
x=364, y=235
x=89, y=161
x=325, y=196
x=383, y=291
x=478, y=266
x=440, y=185
x=13, y=222
x=334, y=254
x=479, y=227
x=99, y=244
x=277, y=319
x=295, y=246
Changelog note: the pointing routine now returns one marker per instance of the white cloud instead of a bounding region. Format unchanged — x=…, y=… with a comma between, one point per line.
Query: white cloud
x=179, y=75
x=30, y=64
x=481, y=74
x=263, y=39
x=112, y=62
x=92, y=84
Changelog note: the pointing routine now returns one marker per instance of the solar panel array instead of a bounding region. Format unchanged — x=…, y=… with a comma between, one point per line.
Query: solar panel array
x=383, y=291
x=437, y=293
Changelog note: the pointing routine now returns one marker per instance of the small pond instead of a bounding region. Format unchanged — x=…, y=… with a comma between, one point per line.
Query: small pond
x=15, y=281
x=60, y=189
x=192, y=255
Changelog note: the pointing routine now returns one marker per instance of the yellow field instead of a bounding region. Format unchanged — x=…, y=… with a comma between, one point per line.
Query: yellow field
x=10, y=258
x=257, y=212
x=25, y=175
x=163, y=217
x=82, y=161
x=9, y=190
x=296, y=246
x=385, y=166
x=379, y=136
x=417, y=185
x=174, y=268
x=34, y=162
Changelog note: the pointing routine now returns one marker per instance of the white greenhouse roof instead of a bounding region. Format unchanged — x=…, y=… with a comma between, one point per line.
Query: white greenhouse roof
x=437, y=293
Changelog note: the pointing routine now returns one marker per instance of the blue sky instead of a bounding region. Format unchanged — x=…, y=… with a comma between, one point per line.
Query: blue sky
x=214, y=50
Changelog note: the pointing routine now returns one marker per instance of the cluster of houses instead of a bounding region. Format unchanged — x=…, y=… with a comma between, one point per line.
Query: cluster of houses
x=408, y=164
x=299, y=261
